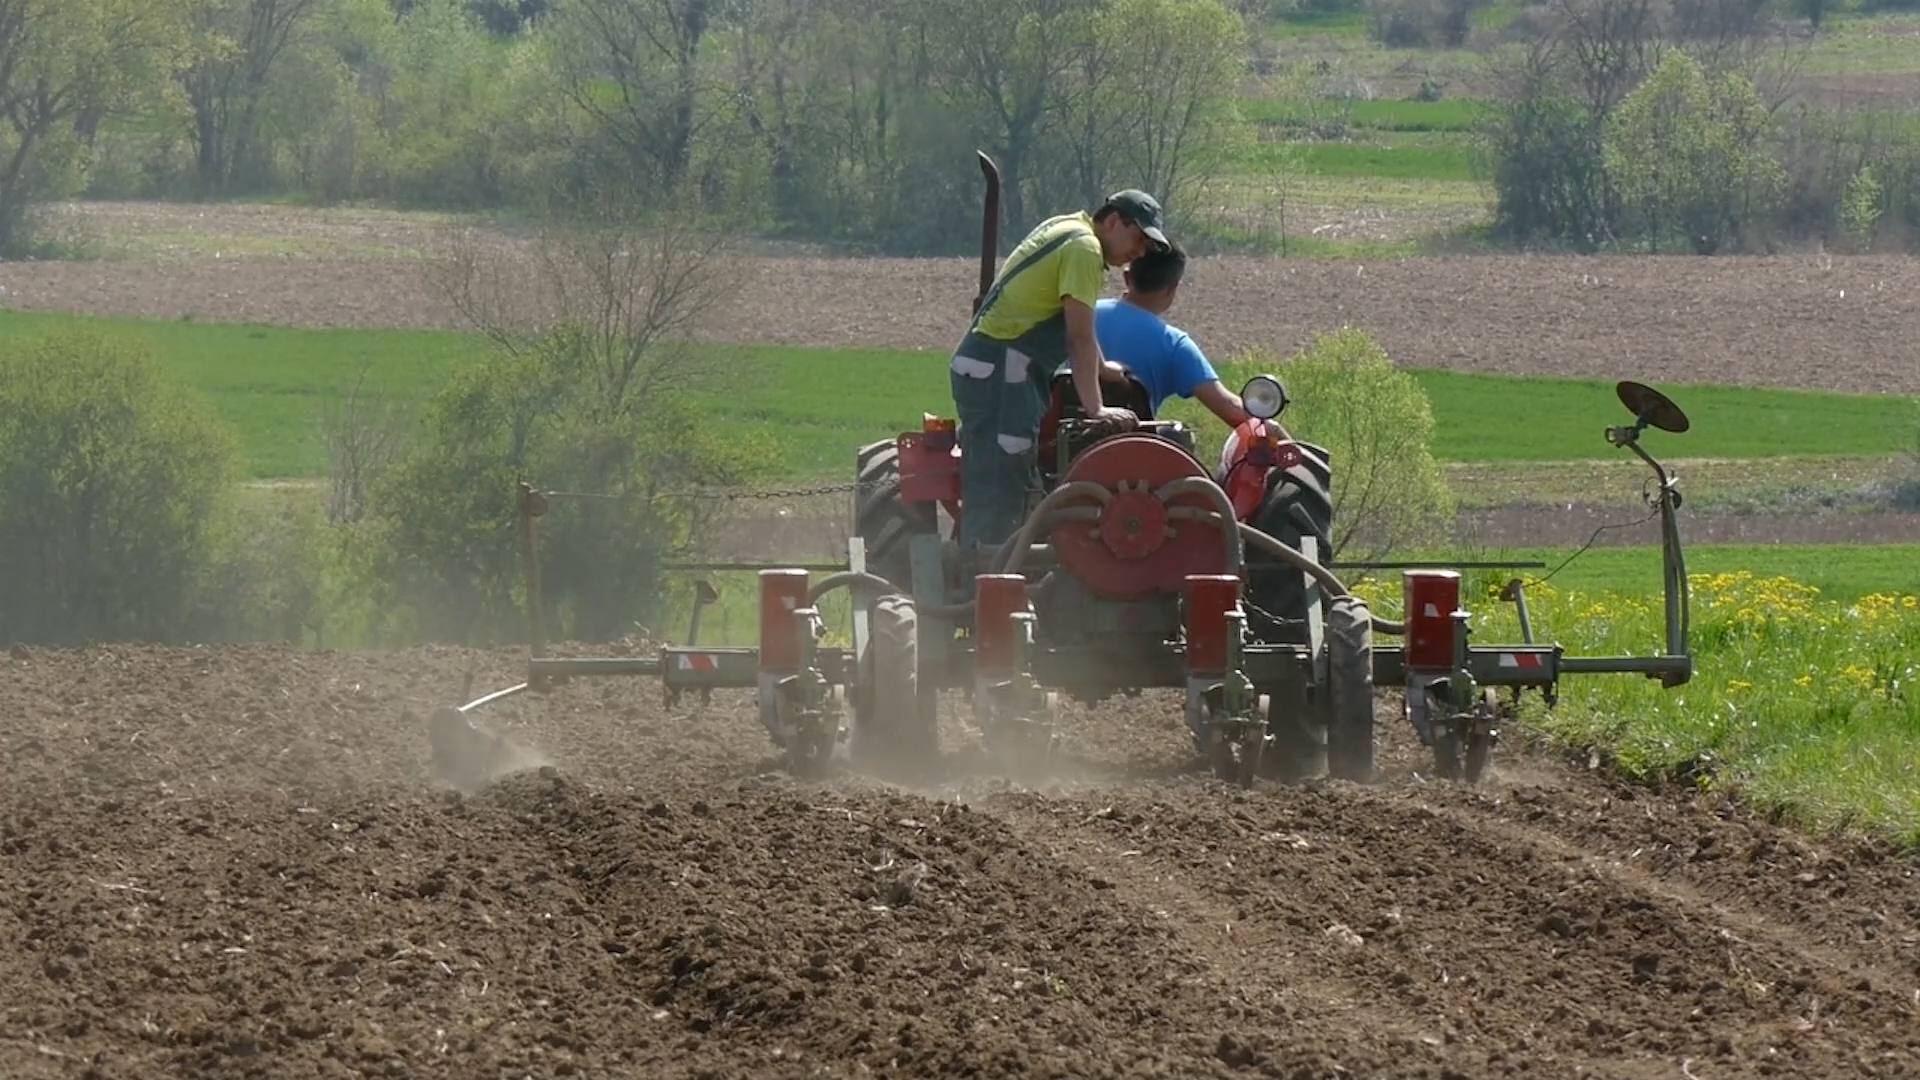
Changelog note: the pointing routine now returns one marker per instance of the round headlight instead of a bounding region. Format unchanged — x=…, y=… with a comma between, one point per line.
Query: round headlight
x=1264, y=397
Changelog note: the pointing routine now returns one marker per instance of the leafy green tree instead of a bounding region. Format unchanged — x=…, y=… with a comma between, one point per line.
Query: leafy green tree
x=62, y=60
x=1544, y=157
x=1376, y=422
x=1689, y=153
x=1860, y=206
x=1171, y=78
x=112, y=475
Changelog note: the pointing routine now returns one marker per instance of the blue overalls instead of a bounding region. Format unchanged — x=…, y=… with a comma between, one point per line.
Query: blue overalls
x=1000, y=392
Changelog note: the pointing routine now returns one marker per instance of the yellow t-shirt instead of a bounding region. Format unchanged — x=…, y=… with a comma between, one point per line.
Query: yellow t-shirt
x=1076, y=268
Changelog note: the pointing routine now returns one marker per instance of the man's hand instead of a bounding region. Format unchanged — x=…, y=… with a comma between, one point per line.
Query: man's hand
x=1113, y=421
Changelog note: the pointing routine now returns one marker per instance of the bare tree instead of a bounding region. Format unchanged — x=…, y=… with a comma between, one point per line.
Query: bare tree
x=1611, y=45
x=635, y=67
x=597, y=383
x=617, y=295
x=364, y=433
x=1007, y=65
x=625, y=287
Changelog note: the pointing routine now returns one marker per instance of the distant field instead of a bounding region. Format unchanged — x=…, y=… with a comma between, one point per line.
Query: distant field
x=1883, y=44
x=1386, y=160
x=270, y=381
x=1377, y=114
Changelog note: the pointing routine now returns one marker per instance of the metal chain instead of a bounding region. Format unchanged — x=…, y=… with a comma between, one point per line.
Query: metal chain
x=789, y=493
x=721, y=495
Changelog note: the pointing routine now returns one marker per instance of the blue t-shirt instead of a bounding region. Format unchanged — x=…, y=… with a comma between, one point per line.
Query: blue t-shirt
x=1161, y=356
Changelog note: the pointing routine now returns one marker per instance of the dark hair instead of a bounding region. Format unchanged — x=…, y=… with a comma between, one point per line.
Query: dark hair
x=1158, y=270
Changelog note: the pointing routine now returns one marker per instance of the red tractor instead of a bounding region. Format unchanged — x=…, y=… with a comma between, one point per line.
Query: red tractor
x=1129, y=518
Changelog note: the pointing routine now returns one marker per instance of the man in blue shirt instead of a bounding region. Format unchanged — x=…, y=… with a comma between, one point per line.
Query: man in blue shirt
x=1133, y=331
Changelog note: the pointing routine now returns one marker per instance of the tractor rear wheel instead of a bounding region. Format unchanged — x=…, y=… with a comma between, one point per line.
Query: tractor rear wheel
x=882, y=520
x=1296, y=505
x=1349, y=690
x=895, y=719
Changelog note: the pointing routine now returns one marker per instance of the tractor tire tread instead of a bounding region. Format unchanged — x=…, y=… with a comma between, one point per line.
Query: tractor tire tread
x=896, y=720
x=1349, y=697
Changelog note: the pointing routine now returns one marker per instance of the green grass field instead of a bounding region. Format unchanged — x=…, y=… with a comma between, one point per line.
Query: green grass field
x=271, y=382
x=1802, y=700
x=1387, y=160
x=1452, y=115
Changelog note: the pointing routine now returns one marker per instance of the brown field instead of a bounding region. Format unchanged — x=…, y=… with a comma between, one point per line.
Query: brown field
x=236, y=861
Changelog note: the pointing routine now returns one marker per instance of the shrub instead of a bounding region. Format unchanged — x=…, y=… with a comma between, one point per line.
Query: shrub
x=111, y=475
x=1549, y=180
x=442, y=546
x=266, y=559
x=1688, y=150
x=1377, y=425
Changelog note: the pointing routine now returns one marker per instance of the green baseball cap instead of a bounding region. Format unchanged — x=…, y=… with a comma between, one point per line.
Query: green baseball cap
x=1143, y=210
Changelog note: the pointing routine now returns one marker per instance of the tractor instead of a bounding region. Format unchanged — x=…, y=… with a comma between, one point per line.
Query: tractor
x=1137, y=567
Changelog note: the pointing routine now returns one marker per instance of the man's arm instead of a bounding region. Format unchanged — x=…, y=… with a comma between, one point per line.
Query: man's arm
x=1083, y=348
x=1227, y=405
x=1082, y=274
x=1192, y=375
x=1222, y=402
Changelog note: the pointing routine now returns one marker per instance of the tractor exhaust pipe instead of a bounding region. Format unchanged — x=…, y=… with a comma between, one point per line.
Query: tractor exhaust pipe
x=989, y=229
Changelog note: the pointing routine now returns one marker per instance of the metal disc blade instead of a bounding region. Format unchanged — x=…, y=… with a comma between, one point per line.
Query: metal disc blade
x=1645, y=401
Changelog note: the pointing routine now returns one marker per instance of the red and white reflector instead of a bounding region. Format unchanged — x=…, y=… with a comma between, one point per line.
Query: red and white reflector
x=782, y=592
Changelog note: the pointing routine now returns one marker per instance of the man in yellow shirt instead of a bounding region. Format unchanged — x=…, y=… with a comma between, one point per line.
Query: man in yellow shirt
x=1037, y=316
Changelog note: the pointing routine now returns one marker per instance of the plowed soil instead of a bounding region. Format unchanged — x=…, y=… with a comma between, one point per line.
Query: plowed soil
x=236, y=862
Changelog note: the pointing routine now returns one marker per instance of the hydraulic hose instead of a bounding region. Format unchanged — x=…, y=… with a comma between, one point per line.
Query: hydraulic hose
x=1007, y=561
x=1010, y=555
x=849, y=578
x=1288, y=555
x=1200, y=485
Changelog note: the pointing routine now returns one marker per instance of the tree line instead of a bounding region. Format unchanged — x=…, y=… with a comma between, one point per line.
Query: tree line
x=853, y=122
x=844, y=120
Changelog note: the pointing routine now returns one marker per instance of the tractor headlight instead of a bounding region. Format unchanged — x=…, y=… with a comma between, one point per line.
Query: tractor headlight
x=1264, y=397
